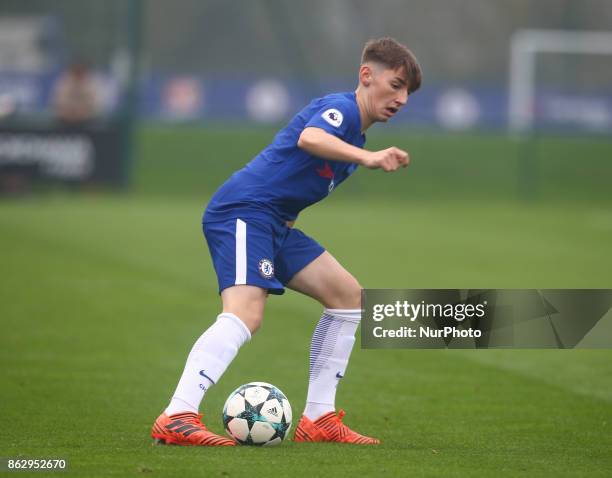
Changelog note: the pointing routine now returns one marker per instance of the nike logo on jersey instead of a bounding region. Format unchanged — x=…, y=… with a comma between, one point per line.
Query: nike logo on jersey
x=338, y=375
x=326, y=171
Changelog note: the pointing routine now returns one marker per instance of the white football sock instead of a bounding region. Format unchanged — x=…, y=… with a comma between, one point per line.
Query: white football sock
x=330, y=349
x=208, y=359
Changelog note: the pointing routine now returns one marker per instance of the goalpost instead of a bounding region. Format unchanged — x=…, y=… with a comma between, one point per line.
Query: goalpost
x=524, y=48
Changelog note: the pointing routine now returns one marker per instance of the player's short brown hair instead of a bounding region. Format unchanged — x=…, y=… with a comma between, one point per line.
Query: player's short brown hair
x=392, y=54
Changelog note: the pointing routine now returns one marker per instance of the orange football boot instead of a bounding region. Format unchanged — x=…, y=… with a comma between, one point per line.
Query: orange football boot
x=185, y=429
x=329, y=428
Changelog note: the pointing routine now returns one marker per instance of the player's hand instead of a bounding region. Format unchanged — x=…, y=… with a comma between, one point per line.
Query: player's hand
x=389, y=159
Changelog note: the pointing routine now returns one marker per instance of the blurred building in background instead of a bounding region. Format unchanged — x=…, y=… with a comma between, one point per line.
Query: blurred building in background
x=207, y=60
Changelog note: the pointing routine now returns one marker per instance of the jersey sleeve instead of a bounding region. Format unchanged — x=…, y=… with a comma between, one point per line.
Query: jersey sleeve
x=338, y=118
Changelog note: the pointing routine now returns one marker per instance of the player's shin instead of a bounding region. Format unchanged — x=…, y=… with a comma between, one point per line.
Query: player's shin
x=210, y=356
x=330, y=349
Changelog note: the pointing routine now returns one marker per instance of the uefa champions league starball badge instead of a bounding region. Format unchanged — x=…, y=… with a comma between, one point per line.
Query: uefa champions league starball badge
x=257, y=413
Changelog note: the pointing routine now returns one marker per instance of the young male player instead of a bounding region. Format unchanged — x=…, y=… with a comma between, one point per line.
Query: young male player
x=255, y=250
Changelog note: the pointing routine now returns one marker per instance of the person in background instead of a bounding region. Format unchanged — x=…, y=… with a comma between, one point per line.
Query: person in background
x=75, y=96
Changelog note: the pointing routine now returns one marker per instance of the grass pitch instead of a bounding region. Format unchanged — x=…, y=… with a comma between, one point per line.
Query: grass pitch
x=102, y=297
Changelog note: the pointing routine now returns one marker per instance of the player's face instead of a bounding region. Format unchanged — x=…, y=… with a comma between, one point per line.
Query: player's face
x=388, y=93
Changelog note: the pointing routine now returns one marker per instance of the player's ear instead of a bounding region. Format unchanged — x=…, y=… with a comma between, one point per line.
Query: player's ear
x=365, y=75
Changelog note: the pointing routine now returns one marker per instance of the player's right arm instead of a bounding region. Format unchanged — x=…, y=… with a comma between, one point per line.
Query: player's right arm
x=318, y=142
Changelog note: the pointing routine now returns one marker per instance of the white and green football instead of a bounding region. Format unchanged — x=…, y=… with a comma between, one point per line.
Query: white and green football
x=257, y=413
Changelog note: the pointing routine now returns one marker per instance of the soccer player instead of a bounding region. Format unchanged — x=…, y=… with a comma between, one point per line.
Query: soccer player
x=256, y=251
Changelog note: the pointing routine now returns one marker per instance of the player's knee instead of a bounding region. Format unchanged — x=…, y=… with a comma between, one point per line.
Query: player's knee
x=247, y=303
x=252, y=317
x=347, y=296
x=253, y=322
x=353, y=298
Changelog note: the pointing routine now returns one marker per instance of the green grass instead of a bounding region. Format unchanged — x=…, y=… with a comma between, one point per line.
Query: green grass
x=103, y=296
x=193, y=161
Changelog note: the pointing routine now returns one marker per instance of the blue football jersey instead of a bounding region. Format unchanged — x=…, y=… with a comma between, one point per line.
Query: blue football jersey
x=284, y=179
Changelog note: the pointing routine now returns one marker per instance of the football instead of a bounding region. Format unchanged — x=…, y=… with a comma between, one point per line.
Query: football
x=257, y=413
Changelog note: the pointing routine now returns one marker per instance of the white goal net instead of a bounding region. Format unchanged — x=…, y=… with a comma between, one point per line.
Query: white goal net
x=577, y=88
